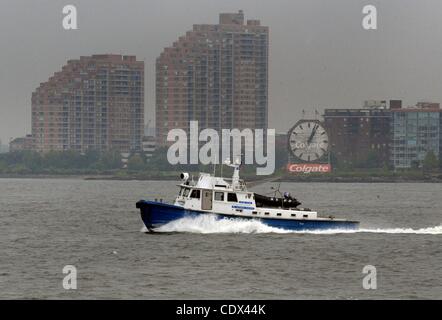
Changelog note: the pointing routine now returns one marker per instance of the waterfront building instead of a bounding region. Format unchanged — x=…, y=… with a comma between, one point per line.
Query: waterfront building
x=415, y=132
x=397, y=136
x=358, y=135
x=21, y=143
x=149, y=146
x=3, y=148
x=95, y=102
x=216, y=74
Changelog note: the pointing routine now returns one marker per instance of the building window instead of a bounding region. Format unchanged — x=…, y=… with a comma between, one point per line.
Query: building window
x=185, y=192
x=195, y=194
x=231, y=197
x=219, y=196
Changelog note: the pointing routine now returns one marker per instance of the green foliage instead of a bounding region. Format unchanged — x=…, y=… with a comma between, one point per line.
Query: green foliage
x=415, y=165
x=386, y=167
x=3, y=166
x=93, y=162
x=109, y=160
x=136, y=163
x=91, y=157
x=281, y=156
x=64, y=160
x=58, y=162
x=371, y=160
x=158, y=161
x=334, y=162
x=431, y=163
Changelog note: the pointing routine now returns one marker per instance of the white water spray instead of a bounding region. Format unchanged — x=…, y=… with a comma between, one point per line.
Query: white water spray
x=210, y=224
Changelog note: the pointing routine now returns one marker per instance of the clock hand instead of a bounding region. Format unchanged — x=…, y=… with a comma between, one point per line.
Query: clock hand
x=312, y=134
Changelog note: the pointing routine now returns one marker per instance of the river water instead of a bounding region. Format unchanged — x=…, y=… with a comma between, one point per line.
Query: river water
x=46, y=224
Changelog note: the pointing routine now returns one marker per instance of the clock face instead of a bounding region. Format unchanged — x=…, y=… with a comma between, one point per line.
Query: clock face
x=308, y=140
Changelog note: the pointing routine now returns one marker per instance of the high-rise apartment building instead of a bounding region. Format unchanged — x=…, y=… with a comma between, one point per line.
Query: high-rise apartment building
x=215, y=74
x=95, y=102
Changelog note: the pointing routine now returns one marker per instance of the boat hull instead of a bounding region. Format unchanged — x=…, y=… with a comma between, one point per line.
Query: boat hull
x=155, y=214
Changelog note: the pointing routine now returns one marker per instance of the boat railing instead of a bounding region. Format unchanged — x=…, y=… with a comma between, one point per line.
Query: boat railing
x=241, y=184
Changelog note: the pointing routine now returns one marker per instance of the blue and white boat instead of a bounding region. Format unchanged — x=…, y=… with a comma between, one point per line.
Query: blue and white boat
x=230, y=199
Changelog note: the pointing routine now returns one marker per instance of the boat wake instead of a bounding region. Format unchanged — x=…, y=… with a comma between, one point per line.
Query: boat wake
x=210, y=224
x=429, y=230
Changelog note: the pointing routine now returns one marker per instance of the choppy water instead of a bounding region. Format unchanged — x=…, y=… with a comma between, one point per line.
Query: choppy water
x=93, y=225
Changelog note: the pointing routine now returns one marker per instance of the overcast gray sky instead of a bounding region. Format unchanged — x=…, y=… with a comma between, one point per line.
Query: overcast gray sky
x=320, y=56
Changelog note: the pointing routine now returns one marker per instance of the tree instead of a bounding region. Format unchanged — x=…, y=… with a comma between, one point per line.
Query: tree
x=373, y=160
x=415, y=164
x=136, y=163
x=431, y=162
x=3, y=166
x=33, y=160
x=334, y=161
x=369, y=161
x=110, y=160
x=69, y=159
x=159, y=161
x=281, y=156
x=90, y=158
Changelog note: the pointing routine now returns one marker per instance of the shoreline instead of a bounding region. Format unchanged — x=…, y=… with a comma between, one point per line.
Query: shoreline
x=252, y=180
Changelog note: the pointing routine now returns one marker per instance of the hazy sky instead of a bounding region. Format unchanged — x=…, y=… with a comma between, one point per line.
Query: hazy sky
x=320, y=56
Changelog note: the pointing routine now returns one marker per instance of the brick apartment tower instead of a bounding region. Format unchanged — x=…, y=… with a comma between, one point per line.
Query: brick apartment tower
x=215, y=74
x=94, y=102
x=357, y=133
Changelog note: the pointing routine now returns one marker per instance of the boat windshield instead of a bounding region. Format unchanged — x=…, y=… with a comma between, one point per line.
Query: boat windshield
x=184, y=191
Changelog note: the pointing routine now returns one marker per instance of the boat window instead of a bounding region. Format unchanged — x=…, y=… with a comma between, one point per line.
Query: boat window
x=195, y=194
x=293, y=214
x=219, y=196
x=254, y=212
x=266, y=213
x=278, y=214
x=231, y=197
x=305, y=216
x=186, y=192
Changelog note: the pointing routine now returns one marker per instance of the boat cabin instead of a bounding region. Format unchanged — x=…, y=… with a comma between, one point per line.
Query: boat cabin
x=231, y=197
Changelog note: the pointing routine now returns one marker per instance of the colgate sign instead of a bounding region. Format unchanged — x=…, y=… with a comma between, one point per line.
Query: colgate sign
x=308, y=167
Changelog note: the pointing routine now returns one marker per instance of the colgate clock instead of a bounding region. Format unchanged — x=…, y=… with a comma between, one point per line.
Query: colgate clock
x=309, y=146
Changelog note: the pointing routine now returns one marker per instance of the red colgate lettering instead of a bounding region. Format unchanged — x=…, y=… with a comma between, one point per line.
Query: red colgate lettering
x=308, y=167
